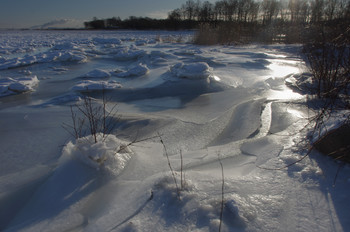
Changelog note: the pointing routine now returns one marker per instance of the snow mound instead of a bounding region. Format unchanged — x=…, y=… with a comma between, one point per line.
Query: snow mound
x=141, y=42
x=97, y=73
x=138, y=70
x=162, y=54
x=199, y=70
x=301, y=83
x=244, y=210
x=10, y=86
x=126, y=53
x=109, y=153
x=107, y=41
x=63, y=99
x=88, y=85
x=72, y=57
x=165, y=207
x=18, y=61
x=65, y=46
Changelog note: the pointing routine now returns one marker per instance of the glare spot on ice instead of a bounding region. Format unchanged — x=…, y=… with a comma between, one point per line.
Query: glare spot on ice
x=296, y=113
x=216, y=78
x=284, y=94
x=281, y=68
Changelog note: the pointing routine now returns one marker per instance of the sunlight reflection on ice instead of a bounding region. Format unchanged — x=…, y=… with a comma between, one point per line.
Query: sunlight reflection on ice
x=216, y=78
x=296, y=113
x=284, y=94
x=276, y=55
x=281, y=68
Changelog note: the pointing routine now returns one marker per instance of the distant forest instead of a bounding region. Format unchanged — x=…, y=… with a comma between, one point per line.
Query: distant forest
x=245, y=20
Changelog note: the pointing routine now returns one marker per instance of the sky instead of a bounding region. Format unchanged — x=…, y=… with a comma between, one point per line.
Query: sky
x=29, y=13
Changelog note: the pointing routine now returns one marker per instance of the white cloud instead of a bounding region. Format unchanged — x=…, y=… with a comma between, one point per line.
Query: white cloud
x=61, y=23
x=159, y=14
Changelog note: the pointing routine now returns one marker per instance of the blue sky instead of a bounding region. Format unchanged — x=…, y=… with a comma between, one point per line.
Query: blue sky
x=28, y=13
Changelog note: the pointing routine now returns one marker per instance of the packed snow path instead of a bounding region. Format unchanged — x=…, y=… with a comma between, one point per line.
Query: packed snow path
x=207, y=104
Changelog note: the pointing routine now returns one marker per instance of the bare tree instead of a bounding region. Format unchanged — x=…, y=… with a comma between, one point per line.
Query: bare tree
x=270, y=10
x=317, y=11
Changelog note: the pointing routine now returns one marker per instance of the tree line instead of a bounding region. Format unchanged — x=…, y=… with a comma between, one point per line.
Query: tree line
x=244, y=11
x=141, y=23
x=265, y=11
x=229, y=21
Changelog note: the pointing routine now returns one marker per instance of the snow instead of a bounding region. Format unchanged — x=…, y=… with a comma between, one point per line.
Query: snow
x=241, y=106
x=10, y=86
x=128, y=53
x=109, y=152
x=88, y=85
x=198, y=70
x=137, y=70
x=97, y=73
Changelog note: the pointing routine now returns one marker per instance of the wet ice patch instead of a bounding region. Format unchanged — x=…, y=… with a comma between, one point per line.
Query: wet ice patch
x=10, y=86
x=108, y=153
x=199, y=70
x=88, y=85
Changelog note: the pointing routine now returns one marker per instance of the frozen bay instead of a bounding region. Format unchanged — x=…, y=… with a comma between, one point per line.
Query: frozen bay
x=212, y=104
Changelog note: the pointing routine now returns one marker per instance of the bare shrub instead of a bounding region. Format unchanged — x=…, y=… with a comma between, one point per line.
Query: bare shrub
x=92, y=117
x=329, y=64
x=206, y=35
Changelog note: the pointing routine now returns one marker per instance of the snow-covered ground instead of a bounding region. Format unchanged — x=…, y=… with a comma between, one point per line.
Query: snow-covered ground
x=209, y=105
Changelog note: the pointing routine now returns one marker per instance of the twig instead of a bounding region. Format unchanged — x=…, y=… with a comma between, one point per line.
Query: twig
x=171, y=169
x=181, y=169
x=222, y=194
x=336, y=175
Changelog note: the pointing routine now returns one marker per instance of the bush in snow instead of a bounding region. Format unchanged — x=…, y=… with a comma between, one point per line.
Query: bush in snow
x=330, y=68
x=94, y=118
x=94, y=143
x=109, y=153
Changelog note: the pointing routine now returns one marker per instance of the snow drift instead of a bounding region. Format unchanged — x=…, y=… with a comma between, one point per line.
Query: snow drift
x=10, y=85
